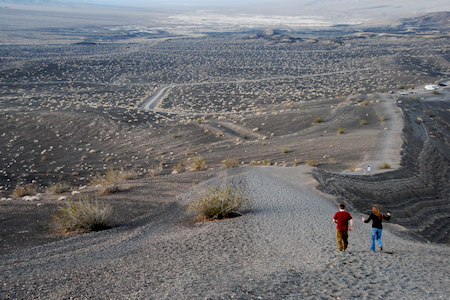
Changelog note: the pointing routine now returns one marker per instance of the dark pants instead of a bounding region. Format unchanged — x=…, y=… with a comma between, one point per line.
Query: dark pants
x=342, y=239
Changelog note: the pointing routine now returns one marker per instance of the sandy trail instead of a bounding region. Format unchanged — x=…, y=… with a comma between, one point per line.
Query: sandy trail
x=389, y=140
x=284, y=248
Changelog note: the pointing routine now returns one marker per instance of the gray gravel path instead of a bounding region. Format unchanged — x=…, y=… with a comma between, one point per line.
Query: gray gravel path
x=284, y=248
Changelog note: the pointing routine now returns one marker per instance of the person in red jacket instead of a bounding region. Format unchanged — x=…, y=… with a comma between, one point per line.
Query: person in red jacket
x=342, y=218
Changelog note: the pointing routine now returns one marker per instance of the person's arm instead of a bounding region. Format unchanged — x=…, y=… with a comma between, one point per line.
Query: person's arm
x=351, y=225
x=388, y=216
x=368, y=220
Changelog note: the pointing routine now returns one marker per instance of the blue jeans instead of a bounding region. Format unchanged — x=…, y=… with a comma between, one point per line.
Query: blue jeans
x=376, y=235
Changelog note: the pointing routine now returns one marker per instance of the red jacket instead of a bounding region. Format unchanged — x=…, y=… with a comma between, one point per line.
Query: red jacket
x=342, y=218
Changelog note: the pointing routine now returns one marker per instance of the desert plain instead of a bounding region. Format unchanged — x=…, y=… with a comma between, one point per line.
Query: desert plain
x=302, y=112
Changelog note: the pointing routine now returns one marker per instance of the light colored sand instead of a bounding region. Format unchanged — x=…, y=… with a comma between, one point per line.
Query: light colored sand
x=283, y=249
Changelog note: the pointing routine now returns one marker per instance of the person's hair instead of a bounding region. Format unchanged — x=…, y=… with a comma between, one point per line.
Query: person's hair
x=376, y=211
x=342, y=206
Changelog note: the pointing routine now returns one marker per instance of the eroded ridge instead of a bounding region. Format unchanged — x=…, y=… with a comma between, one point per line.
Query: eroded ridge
x=416, y=193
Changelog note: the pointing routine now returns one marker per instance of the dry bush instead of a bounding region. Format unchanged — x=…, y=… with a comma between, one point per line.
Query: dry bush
x=218, y=203
x=155, y=171
x=81, y=215
x=312, y=162
x=83, y=157
x=197, y=163
x=384, y=165
x=401, y=87
x=435, y=92
x=285, y=150
x=365, y=102
x=111, y=182
x=331, y=160
x=229, y=162
x=43, y=158
x=352, y=167
x=317, y=120
x=341, y=130
x=26, y=190
x=178, y=168
x=363, y=122
x=59, y=187
x=382, y=118
x=297, y=161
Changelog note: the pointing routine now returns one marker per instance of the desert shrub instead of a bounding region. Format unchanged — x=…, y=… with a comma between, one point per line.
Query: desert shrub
x=229, y=162
x=365, y=102
x=331, y=160
x=341, y=130
x=285, y=150
x=317, y=120
x=312, y=162
x=297, y=161
x=352, y=167
x=196, y=163
x=218, y=203
x=129, y=174
x=59, y=187
x=178, y=168
x=155, y=171
x=81, y=215
x=83, y=157
x=175, y=135
x=363, y=122
x=199, y=121
x=382, y=118
x=401, y=87
x=25, y=190
x=435, y=92
x=384, y=165
x=111, y=182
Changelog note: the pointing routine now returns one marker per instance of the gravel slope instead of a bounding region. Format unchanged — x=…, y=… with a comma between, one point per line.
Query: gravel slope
x=284, y=248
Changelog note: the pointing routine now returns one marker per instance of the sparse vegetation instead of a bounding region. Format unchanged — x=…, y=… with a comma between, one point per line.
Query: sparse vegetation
x=401, y=87
x=59, y=187
x=178, y=168
x=218, y=203
x=196, y=163
x=435, y=92
x=82, y=215
x=341, y=130
x=331, y=160
x=297, y=161
x=382, y=118
x=285, y=150
x=229, y=162
x=24, y=190
x=111, y=181
x=312, y=162
x=363, y=122
x=317, y=120
x=365, y=102
x=384, y=165
x=352, y=167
